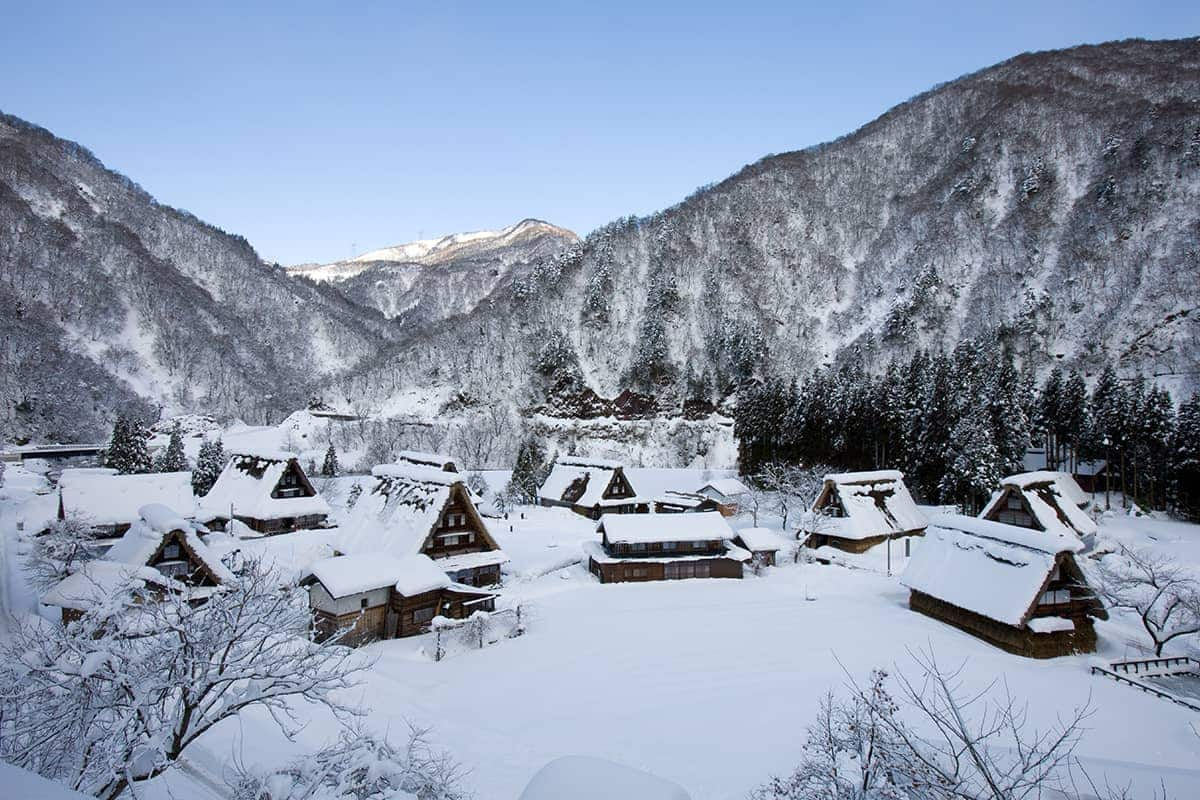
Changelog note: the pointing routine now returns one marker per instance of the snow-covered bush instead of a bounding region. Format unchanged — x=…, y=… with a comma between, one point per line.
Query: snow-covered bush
x=361, y=766
x=59, y=551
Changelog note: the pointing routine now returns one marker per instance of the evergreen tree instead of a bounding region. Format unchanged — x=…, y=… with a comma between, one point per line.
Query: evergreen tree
x=127, y=451
x=329, y=467
x=1185, y=459
x=172, y=459
x=1110, y=419
x=529, y=471
x=1072, y=423
x=209, y=464
x=974, y=465
x=1049, y=412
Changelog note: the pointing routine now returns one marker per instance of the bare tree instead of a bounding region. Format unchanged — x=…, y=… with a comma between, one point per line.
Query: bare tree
x=1164, y=595
x=118, y=696
x=359, y=765
x=960, y=744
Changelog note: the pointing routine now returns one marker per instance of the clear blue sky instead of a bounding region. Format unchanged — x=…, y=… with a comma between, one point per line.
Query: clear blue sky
x=311, y=129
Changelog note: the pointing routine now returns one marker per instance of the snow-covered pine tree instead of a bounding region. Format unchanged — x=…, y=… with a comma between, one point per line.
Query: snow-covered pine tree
x=1185, y=459
x=209, y=464
x=974, y=466
x=1073, y=417
x=329, y=467
x=529, y=471
x=1110, y=422
x=1049, y=412
x=127, y=452
x=172, y=459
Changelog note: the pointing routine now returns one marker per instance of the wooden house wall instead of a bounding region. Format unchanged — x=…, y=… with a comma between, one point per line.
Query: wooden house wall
x=714, y=547
x=1019, y=641
x=639, y=570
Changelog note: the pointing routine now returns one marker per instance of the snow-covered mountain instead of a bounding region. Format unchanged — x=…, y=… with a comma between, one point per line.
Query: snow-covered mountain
x=1050, y=200
x=112, y=299
x=429, y=280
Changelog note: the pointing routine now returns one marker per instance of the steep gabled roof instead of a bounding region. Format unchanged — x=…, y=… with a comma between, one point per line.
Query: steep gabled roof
x=875, y=504
x=400, y=511
x=106, y=498
x=995, y=570
x=1050, y=501
x=645, y=528
x=246, y=485
x=146, y=537
x=592, y=475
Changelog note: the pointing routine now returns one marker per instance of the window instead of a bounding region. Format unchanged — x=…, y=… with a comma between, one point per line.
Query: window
x=637, y=572
x=422, y=615
x=173, y=569
x=638, y=547
x=668, y=545
x=171, y=551
x=363, y=603
x=1014, y=502
x=450, y=541
x=700, y=545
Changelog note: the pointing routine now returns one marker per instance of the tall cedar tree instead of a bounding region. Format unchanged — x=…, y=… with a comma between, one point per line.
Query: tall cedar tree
x=209, y=464
x=127, y=451
x=329, y=467
x=1185, y=459
x=172, y=459
x=529, y=471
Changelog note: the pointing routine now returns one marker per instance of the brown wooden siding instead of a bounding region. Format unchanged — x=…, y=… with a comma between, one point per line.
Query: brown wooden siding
x=638, y=570
x=1020, y=641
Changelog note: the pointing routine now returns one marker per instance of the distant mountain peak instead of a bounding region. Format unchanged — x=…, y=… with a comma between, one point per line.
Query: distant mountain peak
x=440, y=250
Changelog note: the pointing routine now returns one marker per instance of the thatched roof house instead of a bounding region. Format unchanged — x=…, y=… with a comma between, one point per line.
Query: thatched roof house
x=1042, y=501
x=110, y=501
x=591, y=487
x=673, y=502
x=162, y=551
x=381, y=596
x=1021, y=590
x=656, y=547
x=857, y=510
x=415, y=510
x=266, y=490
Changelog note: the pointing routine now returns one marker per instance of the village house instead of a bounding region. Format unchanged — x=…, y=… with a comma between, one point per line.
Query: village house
x=658, y=547
x=435, y=460
x=673, y=502
x=1018, y=589
x=160, y=552
x=728, y=494
x=109, y=501
x=761, y=543
x=1042, y=501
x=267, y=491
x=380, y=596
x=591, y=487
x=415, y=510
x=857, y=510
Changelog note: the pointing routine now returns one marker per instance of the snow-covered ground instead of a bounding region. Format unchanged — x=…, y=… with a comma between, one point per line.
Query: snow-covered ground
x=707, y=683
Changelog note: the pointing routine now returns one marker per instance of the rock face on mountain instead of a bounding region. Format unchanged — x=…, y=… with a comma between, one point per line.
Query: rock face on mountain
x=429, y=280
x=112, y=300
x=1050, y=200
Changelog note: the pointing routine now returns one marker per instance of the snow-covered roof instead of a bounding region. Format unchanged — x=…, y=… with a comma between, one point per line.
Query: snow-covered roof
x=597, y=473
x=726, y=487
x=436, y=460
x=343, y=576
x=588, y=778
x=582, y=461
x=682, y=499
x=989, y=568
x=486, y=558
x=144, y=537
x=246, y=484
x=759, y=540
x=1050, y=500
x=99, y=581
x=107, y=498
x=635, y=528
x=875, y=504
x=397, y=514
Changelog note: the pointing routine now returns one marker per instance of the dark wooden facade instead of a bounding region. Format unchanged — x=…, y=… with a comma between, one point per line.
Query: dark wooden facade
x=686, y=502
x=460, y=530
x=401, y=616
x=1064, y=594
x=664, y=561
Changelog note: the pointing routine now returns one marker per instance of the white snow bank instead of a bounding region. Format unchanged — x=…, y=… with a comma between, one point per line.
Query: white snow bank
x=588, y=778
x=639, y=528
